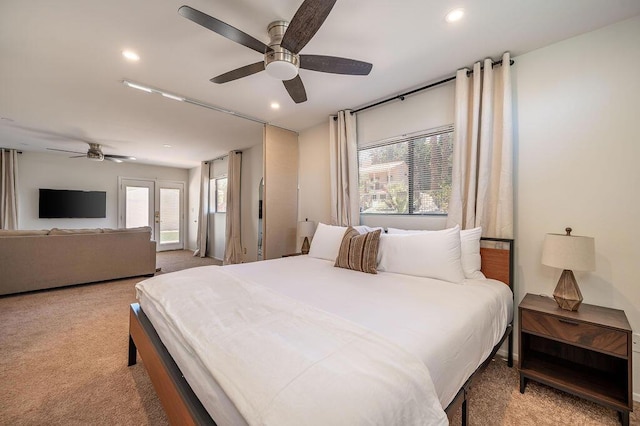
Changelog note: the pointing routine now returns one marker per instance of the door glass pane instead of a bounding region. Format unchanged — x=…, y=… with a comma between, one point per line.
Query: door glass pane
x=169, y=215
x=137, y=207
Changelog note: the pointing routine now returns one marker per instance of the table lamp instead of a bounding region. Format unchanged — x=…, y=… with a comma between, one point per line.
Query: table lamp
x=568, y=252
x=306, y=229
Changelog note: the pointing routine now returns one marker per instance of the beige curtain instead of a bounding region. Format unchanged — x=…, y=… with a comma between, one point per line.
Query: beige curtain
x=233, y=244
x=203, y=216
x=343, y=152
x=8, y=189
x=482, y=185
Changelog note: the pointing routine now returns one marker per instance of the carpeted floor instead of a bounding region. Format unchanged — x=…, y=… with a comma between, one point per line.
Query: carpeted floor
x=63, y=361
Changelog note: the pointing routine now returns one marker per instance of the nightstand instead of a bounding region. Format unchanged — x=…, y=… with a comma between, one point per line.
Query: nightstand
x=586, y=353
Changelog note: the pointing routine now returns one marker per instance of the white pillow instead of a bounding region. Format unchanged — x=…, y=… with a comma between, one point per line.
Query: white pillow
x=469, y=246
x=363, y=229
x=326, y=241
x=433, y=254
x=470, y=256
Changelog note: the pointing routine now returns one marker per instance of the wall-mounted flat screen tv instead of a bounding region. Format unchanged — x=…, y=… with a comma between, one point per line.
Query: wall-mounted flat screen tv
x=66, y=203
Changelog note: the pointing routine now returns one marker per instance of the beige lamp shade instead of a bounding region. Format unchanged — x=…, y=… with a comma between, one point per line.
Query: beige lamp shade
x=570, y=252
x=306, y=229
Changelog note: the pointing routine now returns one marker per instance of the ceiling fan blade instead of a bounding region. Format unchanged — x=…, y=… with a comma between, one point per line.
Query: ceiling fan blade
x=118, y=157
x=223, y=29
x=64, y=150
x=78, y=156
x=239, y=73
x=305, y=23
x=115, y=160
x=335, y=65
x=296, y=89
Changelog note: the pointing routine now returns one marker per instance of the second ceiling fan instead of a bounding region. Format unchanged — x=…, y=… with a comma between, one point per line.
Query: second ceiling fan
x=281, y=57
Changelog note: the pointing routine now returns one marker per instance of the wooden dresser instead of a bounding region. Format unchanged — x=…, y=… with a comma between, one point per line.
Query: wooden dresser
x=586, y=353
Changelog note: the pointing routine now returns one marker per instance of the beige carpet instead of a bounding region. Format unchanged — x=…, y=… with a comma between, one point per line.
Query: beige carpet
x=63, y=361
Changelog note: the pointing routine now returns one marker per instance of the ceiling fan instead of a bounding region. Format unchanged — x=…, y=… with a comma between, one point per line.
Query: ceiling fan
x=282, y=59
x=95, y=153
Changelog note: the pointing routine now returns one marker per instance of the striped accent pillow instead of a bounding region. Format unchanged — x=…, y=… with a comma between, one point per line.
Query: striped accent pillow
x=359, y=251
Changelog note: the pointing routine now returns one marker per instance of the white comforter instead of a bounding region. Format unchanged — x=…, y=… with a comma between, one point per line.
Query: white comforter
x=283, y=362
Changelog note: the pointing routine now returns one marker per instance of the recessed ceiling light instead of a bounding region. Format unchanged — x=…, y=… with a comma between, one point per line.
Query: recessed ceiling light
x=454, y=16
x=131, y=55
x=275, y=105
x=166, y=145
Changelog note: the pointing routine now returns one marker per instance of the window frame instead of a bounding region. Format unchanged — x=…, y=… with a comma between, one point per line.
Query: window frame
x=213, y=184
x=410, y=139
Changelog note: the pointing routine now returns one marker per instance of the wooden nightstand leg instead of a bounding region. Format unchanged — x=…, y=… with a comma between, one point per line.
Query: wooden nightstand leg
x=624, y=417
x=523, y=383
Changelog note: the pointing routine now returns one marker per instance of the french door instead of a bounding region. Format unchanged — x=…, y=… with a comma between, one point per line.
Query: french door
x=158, y=204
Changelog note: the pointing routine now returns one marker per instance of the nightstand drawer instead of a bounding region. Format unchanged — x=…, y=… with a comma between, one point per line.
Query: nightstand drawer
x=586, y=335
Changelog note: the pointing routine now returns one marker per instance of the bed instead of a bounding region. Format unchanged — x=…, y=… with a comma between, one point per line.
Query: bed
x=401, y=322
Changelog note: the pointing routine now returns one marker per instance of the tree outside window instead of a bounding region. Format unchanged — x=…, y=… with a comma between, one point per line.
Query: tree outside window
x=218, y=195
x=221, y=195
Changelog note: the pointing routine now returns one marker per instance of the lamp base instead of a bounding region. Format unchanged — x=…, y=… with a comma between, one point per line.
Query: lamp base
x=567, y=292
x=305, y=246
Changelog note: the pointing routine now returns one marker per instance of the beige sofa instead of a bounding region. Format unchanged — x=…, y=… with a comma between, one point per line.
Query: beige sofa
x=35, y=260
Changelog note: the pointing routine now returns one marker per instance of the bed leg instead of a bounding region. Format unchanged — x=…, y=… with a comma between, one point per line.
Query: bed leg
x=465, y=410
x=510, y=350
x=132, y=352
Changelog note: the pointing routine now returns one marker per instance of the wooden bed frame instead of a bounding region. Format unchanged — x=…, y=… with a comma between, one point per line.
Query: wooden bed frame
x=182, y=405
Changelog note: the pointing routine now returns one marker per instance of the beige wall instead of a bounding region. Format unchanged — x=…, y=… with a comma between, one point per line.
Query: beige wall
x=576, y=165
x=576, y=153
x=313, y=177
x=43, y=170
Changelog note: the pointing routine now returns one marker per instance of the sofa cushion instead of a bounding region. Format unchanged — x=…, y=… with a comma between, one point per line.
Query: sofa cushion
x=22, y=232
x=58, y=231
x=138, y=229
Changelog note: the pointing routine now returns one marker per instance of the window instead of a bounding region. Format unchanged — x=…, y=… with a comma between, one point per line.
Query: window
x=407, y=176
x=218, y=195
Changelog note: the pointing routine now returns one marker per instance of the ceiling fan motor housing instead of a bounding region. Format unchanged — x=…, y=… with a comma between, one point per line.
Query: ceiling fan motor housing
x=95, y=153
x=280, y=63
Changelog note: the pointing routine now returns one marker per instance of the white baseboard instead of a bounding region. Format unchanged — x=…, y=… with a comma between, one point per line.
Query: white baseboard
x=504, y=353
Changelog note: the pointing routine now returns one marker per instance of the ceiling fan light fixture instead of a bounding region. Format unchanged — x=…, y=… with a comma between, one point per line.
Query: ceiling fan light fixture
x=282, y=70
x=279, y=62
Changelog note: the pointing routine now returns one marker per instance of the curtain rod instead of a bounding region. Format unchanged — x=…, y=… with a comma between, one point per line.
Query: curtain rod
x=9, y=149
x=419, y=89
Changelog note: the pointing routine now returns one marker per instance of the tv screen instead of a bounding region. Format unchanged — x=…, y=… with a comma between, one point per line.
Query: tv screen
x=64, y=203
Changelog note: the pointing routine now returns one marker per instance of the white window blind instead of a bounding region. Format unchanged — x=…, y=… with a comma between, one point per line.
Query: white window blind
x=409, y=175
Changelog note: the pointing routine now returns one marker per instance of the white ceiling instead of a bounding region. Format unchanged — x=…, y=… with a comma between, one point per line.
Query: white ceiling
x=61, y=66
